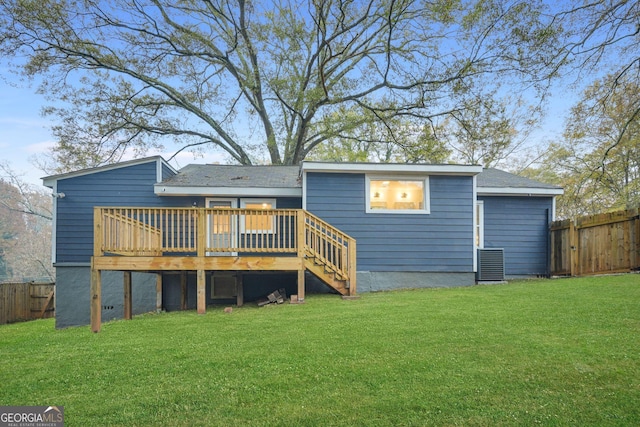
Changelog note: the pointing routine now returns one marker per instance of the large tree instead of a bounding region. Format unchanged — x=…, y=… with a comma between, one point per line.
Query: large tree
x=602, y=38
x=598, y=159
x=264, y=77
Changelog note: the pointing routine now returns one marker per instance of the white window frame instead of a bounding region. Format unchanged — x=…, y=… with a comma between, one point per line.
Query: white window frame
x=234, y=224
x=425, y=196
x=478, y=229
x=243, y=205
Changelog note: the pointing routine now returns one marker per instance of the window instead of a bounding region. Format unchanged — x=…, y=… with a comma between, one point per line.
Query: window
x=258, y=221
x=223, y=286
x=397, y=195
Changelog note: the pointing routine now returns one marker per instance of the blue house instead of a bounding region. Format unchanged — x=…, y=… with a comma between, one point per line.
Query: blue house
x=138, y=236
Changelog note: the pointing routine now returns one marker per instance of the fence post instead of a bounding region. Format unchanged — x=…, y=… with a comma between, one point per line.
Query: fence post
x=574, y=246
x=634, y=238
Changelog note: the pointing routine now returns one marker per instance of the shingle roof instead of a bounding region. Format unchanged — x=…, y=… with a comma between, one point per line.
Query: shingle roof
x=495, y=178
x=237, y=176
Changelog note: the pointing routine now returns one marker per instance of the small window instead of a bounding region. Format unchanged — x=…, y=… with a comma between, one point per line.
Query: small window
x=397, y=195
x=259, y=221
x=223, y=286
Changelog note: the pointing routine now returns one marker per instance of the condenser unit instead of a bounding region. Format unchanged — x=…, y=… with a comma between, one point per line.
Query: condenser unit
x=490, y=265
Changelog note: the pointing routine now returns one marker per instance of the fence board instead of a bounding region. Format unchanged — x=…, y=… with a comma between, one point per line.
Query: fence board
x=25, y=301
x=596, y=244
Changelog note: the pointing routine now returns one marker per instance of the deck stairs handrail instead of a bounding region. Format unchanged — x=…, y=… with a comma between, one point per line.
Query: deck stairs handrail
x=328, y=246
x=129, y=236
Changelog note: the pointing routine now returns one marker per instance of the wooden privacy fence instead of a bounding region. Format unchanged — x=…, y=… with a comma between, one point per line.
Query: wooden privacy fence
x=596, y=244
x=26, y=301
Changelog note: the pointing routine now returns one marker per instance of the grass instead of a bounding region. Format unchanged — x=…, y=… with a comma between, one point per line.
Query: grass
x=548, y=352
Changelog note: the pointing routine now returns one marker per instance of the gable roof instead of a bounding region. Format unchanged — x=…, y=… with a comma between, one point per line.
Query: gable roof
x=49, y=181
x=233, y=180
x=497, y=182
x=261, y=181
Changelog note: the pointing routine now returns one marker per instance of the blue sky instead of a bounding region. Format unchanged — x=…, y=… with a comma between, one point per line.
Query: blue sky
x=25, y=133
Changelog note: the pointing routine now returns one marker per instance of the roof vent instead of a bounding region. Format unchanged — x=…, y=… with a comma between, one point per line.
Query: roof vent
x=490, y=265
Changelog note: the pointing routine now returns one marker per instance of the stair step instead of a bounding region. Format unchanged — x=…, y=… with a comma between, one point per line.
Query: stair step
x=328, y=277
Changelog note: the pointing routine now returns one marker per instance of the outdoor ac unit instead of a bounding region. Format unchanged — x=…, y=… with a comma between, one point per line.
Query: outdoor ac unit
x=490, y=265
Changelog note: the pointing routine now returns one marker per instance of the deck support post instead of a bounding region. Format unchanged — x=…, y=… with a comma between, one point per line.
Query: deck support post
x=128, y=307
x=183, y=290
x=159, y=292
x=96, y=299
x=239, y=290
x=352, y=268
x=202, y=292
x=301, y=285
x=301, y=228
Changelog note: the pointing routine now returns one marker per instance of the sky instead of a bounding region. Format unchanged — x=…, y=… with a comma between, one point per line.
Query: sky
x=25, y=133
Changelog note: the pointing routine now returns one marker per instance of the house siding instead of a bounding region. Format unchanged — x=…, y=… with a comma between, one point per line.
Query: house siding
x=519, y=225
x=127, y=186
x=441, y=241
x=73, y=295
x=167, y=172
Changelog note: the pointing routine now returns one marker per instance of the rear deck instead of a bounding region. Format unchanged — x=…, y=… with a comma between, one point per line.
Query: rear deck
x=160, y=240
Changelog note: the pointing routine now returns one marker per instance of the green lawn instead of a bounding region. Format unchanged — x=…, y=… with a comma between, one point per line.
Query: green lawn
x=547, y=352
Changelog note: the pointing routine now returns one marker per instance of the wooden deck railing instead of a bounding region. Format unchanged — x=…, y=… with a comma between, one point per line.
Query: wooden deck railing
x=217, y=232
x=127, y=234
x=330, y=246
x=193, y=231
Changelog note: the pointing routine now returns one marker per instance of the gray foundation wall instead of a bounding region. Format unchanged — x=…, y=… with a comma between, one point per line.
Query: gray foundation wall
x=73, y=287
x=74, y=283
x=372, y=281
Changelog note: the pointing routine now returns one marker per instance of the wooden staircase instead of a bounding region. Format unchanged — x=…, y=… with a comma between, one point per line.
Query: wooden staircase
x=327, y=276
x=330, y=255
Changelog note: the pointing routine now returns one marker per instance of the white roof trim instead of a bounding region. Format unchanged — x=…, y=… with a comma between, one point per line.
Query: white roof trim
x=49, y=180
x=519, y=191
x=391, y=168
x=163, y=190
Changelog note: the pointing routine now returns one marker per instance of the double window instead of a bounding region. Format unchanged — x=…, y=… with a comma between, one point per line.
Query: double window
x=394, y=194
x=259, y=221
